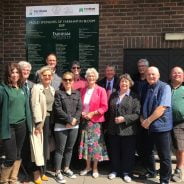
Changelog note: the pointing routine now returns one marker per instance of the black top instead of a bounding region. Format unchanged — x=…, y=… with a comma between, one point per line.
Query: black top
x=103, y=82
x=129, y=108
x=66, y=107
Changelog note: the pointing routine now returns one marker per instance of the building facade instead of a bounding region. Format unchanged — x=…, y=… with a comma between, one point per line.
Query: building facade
x=124, y=27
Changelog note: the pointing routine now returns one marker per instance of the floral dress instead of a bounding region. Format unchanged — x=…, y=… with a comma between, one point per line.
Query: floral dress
x=92, y=143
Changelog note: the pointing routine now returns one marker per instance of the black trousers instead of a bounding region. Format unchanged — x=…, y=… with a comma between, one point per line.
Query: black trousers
x=13, y=145
x=26, y=154
x=122, y=153
x=162, y=141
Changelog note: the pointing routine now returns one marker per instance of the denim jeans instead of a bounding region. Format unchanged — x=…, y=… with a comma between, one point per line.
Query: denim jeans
x=65, y=141
x=13, y=145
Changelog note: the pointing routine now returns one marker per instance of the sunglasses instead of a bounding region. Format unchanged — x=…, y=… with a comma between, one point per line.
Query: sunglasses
x=47, y=75
x=67, y=80
x=76, y=67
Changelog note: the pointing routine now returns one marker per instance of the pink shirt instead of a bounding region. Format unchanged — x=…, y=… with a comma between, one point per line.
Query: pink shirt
x=79, y=84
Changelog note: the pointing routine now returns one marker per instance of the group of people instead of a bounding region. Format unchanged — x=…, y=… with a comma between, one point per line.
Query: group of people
x=112, y=119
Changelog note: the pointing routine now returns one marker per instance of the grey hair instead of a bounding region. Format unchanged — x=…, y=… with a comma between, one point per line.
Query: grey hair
x=127, y=77
x=145, y=61
x=111, y=66
x=92, y=70
x=24, y=64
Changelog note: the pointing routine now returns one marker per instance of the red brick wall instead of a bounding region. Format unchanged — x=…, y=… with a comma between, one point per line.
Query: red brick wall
x=123, y=24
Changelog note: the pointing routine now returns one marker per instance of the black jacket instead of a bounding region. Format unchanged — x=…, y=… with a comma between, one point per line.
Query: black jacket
x=66, y=107
x=103, y=81
x=129, y=108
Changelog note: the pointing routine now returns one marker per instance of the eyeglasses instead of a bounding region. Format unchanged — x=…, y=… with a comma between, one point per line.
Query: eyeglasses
x=139, y=66
x=67, y=80
x=76, y=67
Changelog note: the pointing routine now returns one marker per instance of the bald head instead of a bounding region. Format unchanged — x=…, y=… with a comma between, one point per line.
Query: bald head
x=152, y=75
x=177, y=76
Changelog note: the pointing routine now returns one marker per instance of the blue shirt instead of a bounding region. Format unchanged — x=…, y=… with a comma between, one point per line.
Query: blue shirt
x=158, y=94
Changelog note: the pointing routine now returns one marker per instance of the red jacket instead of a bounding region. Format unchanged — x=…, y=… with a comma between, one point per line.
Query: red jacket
x=98, y=102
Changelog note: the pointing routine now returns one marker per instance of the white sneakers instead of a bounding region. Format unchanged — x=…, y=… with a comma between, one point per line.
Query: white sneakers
x=112, y=175
x=127, y=179
x=59, y=178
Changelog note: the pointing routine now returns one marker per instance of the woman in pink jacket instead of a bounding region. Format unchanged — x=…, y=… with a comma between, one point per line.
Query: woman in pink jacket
x=92, y=146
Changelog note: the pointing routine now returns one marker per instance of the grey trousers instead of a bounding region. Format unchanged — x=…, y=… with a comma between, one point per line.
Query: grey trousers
x=65, y=141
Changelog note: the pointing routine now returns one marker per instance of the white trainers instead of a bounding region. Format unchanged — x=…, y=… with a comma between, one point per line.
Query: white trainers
x=127, y=179
x=59, y=178
x=69, y=174
x=112, y=175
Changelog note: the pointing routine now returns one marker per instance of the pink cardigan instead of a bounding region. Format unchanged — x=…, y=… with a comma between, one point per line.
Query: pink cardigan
x=98, y=103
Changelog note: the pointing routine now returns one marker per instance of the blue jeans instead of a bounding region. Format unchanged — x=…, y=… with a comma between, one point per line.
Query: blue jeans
x=65, y=141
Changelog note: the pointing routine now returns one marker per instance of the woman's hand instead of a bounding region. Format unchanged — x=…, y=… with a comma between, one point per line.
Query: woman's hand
x=68, y=125
x=38, y=130
x=74, y=122
x=84, y=115
x=119, y=119
x=87, y=115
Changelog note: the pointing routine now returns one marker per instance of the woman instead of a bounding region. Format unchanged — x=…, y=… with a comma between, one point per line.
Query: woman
x=92, y=146
x=123, y=113
x=67, y=111
x=51, y=61
x=42, y=98
x=79, y=83
x=13, y=121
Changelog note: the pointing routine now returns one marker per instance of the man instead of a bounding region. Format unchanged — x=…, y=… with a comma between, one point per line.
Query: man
x=26, y=69
x=139, y=87
x=51, y=61
x=157, y=118
x=140, y=79
x=110, y=82
x=26, y=159
x=177, y=75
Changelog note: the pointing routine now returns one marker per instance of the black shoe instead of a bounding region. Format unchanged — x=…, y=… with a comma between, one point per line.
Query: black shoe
x=147, y=176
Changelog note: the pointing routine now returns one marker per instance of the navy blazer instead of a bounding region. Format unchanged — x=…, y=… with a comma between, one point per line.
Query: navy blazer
x=103, y=82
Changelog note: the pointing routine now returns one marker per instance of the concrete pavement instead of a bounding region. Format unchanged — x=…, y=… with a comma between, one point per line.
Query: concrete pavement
x=102, y=179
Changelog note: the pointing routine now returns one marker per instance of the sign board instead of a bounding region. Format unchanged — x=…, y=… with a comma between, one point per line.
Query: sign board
x=70, y=31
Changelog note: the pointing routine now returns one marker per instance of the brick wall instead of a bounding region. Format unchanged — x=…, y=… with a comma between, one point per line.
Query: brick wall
x=1, y=39
x=123, y=24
